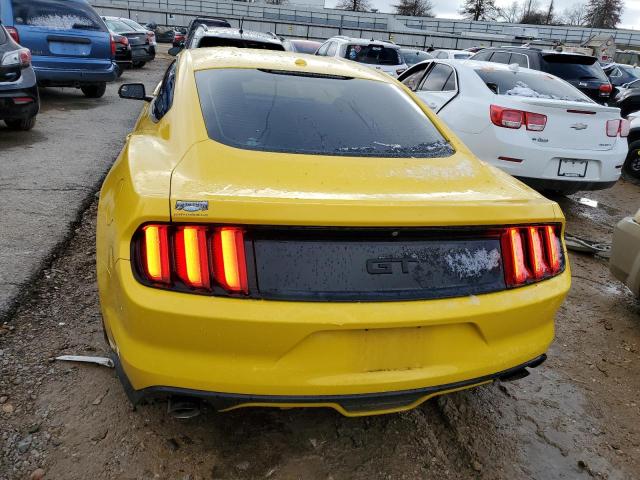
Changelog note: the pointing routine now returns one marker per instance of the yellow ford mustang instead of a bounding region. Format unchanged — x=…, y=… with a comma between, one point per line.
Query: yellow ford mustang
x=289, y=231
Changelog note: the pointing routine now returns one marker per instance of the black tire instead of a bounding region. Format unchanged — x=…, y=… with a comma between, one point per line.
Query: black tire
x=119, y=70
x=139, y=64
x=632, y=164
x=94, y=91
x=23, y=125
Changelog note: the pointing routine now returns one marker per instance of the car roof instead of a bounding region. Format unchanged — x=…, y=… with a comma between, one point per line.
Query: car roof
x=480, y=65
x=364, y=41
x=224, y=32
x=232, y=57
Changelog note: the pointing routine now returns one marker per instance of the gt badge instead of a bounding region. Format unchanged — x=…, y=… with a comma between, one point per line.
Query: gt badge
x=192, y=206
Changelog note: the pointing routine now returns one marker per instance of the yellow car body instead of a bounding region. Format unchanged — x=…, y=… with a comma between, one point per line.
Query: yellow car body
x=361, y=357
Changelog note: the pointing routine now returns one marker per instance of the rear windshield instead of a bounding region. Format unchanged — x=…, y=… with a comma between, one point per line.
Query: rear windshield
x=305, y=47
x=574, y=67
x=237, y=42
x=461, y=56
x=118, y=26
x=279, y=111
x=56, y=15
x=527, y=84
x=3, y=36
x=373, y=54
x=411, y=57
x=136, y=26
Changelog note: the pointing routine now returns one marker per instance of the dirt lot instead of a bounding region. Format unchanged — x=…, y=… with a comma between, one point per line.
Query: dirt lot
x=574, y=417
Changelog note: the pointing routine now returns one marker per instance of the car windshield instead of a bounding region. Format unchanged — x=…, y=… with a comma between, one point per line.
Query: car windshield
x=238, y=43
x=574, y=67
x=373, y=54
x=461, y=56
x=293, y=112
x=529, y=84
x=56, y=15
x=118, y=26
x=631, y=71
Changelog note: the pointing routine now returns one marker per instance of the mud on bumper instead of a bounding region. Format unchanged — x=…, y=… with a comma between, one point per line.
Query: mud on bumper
x=349, y=405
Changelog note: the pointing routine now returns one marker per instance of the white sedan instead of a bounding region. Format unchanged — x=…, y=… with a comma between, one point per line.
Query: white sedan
x=531, y=124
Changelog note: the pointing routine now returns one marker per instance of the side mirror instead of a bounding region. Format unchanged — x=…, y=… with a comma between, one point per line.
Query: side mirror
x=173, y=51
x=134, y=91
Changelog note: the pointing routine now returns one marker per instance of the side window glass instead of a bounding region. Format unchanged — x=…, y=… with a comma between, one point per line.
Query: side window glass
x=437, y=78
x=323, y=49
x=413, y=80
x=164, y=99
x=331, y=51
x=450, y=85
x=520, y=59
x=501, y=57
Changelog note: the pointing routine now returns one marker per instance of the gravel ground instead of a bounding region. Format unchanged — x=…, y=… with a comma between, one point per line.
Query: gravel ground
x=575, y=417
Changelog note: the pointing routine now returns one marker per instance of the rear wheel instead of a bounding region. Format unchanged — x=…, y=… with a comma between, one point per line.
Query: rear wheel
x=632, y=164
x=26, y=124
x=94, y=91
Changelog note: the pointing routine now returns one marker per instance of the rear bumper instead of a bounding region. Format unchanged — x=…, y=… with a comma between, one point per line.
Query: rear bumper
x=539, y=165
x=625, y=254
x=74, y=78
x=24, y=87
x=143, y=54
x=348, y=405
x=257, y=348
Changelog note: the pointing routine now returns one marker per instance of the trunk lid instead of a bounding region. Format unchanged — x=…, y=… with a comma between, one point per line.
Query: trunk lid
x=571, y=125
x=264, y=188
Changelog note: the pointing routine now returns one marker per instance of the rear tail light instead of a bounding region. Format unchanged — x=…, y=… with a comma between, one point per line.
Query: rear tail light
x=22, y=100
x=192, y=257
x=13, y=33
x=20, y=58
x=531, y=254
x=617, y=127
x=605, y=89
x=122, y=40
x=113, y=47
x=212, y=260
x=511, y=118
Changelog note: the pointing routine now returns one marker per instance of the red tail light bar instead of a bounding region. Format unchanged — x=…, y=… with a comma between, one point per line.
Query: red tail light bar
x=212, y=259
x=531, y=254
x=196, y=257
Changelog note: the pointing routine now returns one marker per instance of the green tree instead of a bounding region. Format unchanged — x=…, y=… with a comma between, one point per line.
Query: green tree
x=414, y=8
x=479, y=9
x=354, y=5
x=604, y=13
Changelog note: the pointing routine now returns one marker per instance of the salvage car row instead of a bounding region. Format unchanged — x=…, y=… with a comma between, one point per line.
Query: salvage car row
x=62, y=44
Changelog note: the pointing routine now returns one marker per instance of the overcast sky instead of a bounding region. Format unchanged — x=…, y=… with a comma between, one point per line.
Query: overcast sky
x=449, y=8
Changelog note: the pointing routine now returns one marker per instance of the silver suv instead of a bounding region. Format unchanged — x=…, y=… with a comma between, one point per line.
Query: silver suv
x=376, y=54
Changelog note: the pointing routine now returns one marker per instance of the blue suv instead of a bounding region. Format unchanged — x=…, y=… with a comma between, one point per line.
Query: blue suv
x=69, y=42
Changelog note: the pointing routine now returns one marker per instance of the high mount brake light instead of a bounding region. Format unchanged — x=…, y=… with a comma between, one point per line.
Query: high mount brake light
x=531, y=254
x=197, y=257
x=511, y=118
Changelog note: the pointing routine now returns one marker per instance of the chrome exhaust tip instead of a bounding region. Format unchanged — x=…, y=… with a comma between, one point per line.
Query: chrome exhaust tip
x=184, y=407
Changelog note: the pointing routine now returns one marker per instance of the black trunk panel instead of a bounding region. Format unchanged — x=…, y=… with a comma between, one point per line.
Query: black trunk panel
x=376, y=266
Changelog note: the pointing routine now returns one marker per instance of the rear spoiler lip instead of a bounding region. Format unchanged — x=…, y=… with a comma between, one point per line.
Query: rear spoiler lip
x=569, y=105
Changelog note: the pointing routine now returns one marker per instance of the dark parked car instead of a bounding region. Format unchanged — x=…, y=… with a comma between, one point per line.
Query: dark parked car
x=141, y=49
x=19, y=101
x=123, y=52
x=581, y=71
x=70, y=43
x=627, y=98
x=620, y=74
x=196, y=22
x=229, y=37
x=300, y=45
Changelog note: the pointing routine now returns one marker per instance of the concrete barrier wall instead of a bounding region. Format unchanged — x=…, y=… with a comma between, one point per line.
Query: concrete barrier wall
x=310, y=31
